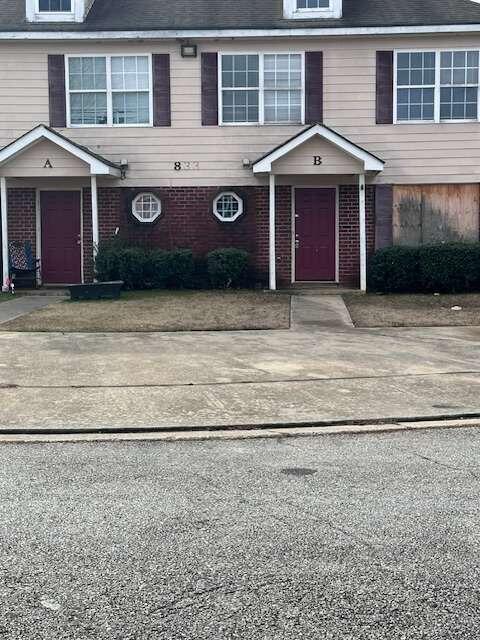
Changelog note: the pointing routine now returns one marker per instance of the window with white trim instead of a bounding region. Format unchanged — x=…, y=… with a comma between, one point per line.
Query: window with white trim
x=313, y=4
x=228, y=206
x=437, y=86
x=312, y=9
x=55, y=6
x=109, y=90
x=56, y=10
x=146, y=207
x=261, y=88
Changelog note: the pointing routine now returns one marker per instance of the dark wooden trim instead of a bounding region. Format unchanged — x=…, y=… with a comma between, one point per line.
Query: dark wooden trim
x=161, y=90
x=383, y=216
x=313, y=87
x=209, y=64
x=384, y=90
x=56, y=91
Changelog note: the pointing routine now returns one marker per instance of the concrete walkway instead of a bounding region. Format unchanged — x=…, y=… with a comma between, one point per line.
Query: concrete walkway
x=145, y=381
x=21, y=305
x=316, y=312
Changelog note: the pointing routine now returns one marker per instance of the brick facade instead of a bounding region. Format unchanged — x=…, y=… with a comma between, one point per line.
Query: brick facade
x=187, y=221
x=349, y=231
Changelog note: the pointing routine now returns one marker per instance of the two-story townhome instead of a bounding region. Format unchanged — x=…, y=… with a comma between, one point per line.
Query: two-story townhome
x=307, y=132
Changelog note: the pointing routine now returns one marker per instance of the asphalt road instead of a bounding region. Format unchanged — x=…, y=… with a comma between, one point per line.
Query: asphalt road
x=366, y=537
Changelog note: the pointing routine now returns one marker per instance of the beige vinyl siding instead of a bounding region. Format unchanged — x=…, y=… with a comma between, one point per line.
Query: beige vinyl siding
x=414, y=153
x=301, y=160
x=31, y=163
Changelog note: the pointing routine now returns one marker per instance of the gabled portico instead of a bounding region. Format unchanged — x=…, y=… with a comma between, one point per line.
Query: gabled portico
x=44, y=155
x=319, y=152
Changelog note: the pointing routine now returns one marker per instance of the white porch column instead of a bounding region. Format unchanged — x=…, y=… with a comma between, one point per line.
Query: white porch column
x=363, y=232
x=272, y=234
x=95, y=232
x=4, y=210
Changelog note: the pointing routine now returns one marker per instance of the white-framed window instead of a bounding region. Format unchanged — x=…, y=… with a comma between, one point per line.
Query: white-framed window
x=436, y=86
x=109, y=90
x=312, y=9
x=228, y=206
x=146, y=207
x=261, y=88
x=55, y=10
x=55, y=6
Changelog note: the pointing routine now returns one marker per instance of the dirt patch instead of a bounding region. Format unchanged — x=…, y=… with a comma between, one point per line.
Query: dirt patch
x=163, y=311
x=414, y=310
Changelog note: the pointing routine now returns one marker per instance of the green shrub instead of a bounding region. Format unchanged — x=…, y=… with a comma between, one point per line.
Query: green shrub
x=228, y=268
x=181, y=269
x=142, y=268
x=447, y=268
x=450, y=268
x=132, y=268
x=157, y=269
x=394, y=270
x=108, y=260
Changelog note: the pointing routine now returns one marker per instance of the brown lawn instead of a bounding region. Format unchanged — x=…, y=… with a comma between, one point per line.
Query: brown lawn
x=413, y=310
x=163, y=311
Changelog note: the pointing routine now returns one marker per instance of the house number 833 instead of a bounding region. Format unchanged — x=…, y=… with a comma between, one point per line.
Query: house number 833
x=186, y=166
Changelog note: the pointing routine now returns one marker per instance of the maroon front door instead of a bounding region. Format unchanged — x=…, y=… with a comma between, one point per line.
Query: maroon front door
x=61, y=237
x=315, y=234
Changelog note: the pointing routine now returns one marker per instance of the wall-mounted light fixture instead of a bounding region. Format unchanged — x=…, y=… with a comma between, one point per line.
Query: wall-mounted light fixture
x=188, y=50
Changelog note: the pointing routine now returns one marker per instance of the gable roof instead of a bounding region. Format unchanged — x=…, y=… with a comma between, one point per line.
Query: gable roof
x=148, y=15
x=98, y=165
x=369, y=161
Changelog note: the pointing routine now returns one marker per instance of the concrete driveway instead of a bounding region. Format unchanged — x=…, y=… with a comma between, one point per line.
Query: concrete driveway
x=85, y=381
x=340, y=538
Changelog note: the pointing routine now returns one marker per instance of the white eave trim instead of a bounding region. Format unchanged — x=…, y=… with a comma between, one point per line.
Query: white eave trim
x=97, y=167
x=238, y=33
x=369, y=161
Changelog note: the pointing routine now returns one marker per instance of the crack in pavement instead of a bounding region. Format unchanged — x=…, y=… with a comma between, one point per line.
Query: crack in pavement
x=5, y=386
x=438, y=463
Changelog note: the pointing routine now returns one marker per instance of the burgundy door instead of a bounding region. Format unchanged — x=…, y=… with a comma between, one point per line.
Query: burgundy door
x=61, y=233
x=315, y=233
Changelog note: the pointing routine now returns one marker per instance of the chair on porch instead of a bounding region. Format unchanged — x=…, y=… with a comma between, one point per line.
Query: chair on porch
x=22, y=264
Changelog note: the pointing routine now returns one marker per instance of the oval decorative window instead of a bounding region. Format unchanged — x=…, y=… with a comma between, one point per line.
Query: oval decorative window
x=146, y=207
x=228, y=206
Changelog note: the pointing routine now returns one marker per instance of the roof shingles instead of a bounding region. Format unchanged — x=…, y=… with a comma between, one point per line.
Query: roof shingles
x=138, y=15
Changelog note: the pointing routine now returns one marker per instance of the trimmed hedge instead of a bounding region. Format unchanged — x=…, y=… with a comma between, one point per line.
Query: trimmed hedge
x=228, y=268
x=452, y=267
x=143, y=268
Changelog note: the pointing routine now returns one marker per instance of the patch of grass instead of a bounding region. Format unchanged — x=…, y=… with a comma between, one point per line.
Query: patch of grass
x=413, y=310
x=163, y=311
x=5, y=297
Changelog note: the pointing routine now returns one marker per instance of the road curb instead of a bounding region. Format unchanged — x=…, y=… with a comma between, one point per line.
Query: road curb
x=236, y=433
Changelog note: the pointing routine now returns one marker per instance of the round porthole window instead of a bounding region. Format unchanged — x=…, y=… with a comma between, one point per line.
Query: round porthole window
x=227, y=206
x=146, y=207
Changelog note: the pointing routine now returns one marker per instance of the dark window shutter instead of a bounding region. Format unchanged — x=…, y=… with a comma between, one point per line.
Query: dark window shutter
x=313, y=87
x=383, y=216
x=384, y=87
x=56, y=91
x=209, y=89
x=161, y=90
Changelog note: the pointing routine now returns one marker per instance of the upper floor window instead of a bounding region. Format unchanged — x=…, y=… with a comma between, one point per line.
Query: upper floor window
x=312, y=9
x=436, y=86
x=313, y=4
x=55, y=6
x=56, y=10
x=109, y=91
x=261, y=88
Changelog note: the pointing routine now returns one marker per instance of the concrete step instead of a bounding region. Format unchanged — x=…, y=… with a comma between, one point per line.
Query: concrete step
x=318, y=290
x=43, y=291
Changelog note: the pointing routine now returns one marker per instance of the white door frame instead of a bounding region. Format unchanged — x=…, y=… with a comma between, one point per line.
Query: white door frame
x=337, y=231
x=38, y=218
